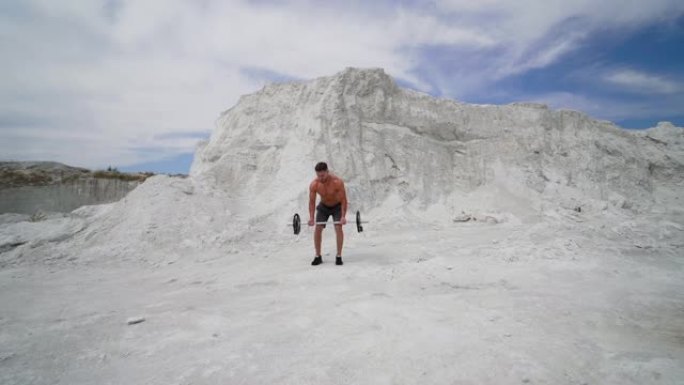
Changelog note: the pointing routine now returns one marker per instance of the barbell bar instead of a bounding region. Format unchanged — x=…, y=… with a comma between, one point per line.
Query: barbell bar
x=297, y=223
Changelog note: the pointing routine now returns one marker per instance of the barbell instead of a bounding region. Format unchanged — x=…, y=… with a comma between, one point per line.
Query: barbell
x=297, y=223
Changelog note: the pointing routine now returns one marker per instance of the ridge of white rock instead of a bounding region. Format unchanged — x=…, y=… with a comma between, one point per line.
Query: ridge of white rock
x=389, y=143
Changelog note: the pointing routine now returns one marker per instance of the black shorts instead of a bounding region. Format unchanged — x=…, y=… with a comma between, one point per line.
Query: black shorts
x=324, y=212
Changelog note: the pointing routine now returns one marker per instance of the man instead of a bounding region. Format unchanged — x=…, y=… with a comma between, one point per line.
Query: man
x=333, y=202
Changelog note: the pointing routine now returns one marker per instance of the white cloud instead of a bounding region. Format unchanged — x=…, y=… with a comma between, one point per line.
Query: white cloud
x=91, y=83
x=609, y=109
x=536, y=33
x=642, y=82
x=113, y=76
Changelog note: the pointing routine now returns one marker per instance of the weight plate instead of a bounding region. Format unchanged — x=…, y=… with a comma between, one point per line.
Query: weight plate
x=296, y=224
x=359, y=228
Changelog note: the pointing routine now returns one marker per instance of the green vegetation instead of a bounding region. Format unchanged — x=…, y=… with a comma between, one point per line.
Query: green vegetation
x=38, y=216
x=72, y=178
x=12, y=178
x=113, y=173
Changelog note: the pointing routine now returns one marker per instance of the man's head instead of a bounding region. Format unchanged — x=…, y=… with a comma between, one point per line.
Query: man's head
x=322, y=171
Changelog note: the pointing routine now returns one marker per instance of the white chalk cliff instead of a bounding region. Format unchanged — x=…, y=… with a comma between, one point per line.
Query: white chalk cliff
x=387, y=141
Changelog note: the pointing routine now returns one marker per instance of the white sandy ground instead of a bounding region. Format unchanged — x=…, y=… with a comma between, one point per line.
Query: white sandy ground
x=572, y=301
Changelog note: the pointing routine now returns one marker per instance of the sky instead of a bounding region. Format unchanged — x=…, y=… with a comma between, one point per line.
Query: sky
x=136, y=84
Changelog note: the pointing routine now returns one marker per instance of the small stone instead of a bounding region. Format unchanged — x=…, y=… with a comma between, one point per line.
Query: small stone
x=135, y=320
x=5, y=357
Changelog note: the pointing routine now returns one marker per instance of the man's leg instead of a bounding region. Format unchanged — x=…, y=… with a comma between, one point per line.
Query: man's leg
x=340, y=239
x=317, y=244
x=318, y=236
x=337, y=216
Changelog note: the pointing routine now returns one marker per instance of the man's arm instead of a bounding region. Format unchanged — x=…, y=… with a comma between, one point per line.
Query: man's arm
x=312, y=200
x=344, y=199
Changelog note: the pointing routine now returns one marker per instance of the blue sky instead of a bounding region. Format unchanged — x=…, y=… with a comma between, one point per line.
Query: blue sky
x=135, y=84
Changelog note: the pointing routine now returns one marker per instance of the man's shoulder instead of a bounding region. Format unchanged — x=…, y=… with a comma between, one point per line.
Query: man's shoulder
x=313, y=184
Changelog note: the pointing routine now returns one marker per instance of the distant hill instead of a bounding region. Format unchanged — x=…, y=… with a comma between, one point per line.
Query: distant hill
x=20, y=174
x=27, y=187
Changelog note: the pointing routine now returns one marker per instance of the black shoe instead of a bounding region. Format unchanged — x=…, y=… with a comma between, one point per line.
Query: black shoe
x=317, y=261
x=338, y=260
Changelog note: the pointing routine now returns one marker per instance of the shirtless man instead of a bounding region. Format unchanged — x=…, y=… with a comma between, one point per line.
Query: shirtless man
x=333, y=202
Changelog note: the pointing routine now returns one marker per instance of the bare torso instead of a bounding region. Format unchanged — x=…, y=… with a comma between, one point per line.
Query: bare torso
x=330, y=191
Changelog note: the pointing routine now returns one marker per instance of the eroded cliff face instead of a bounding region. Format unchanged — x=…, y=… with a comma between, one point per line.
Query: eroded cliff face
x=63, y=197
x=30, y=187
x=388, y=142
